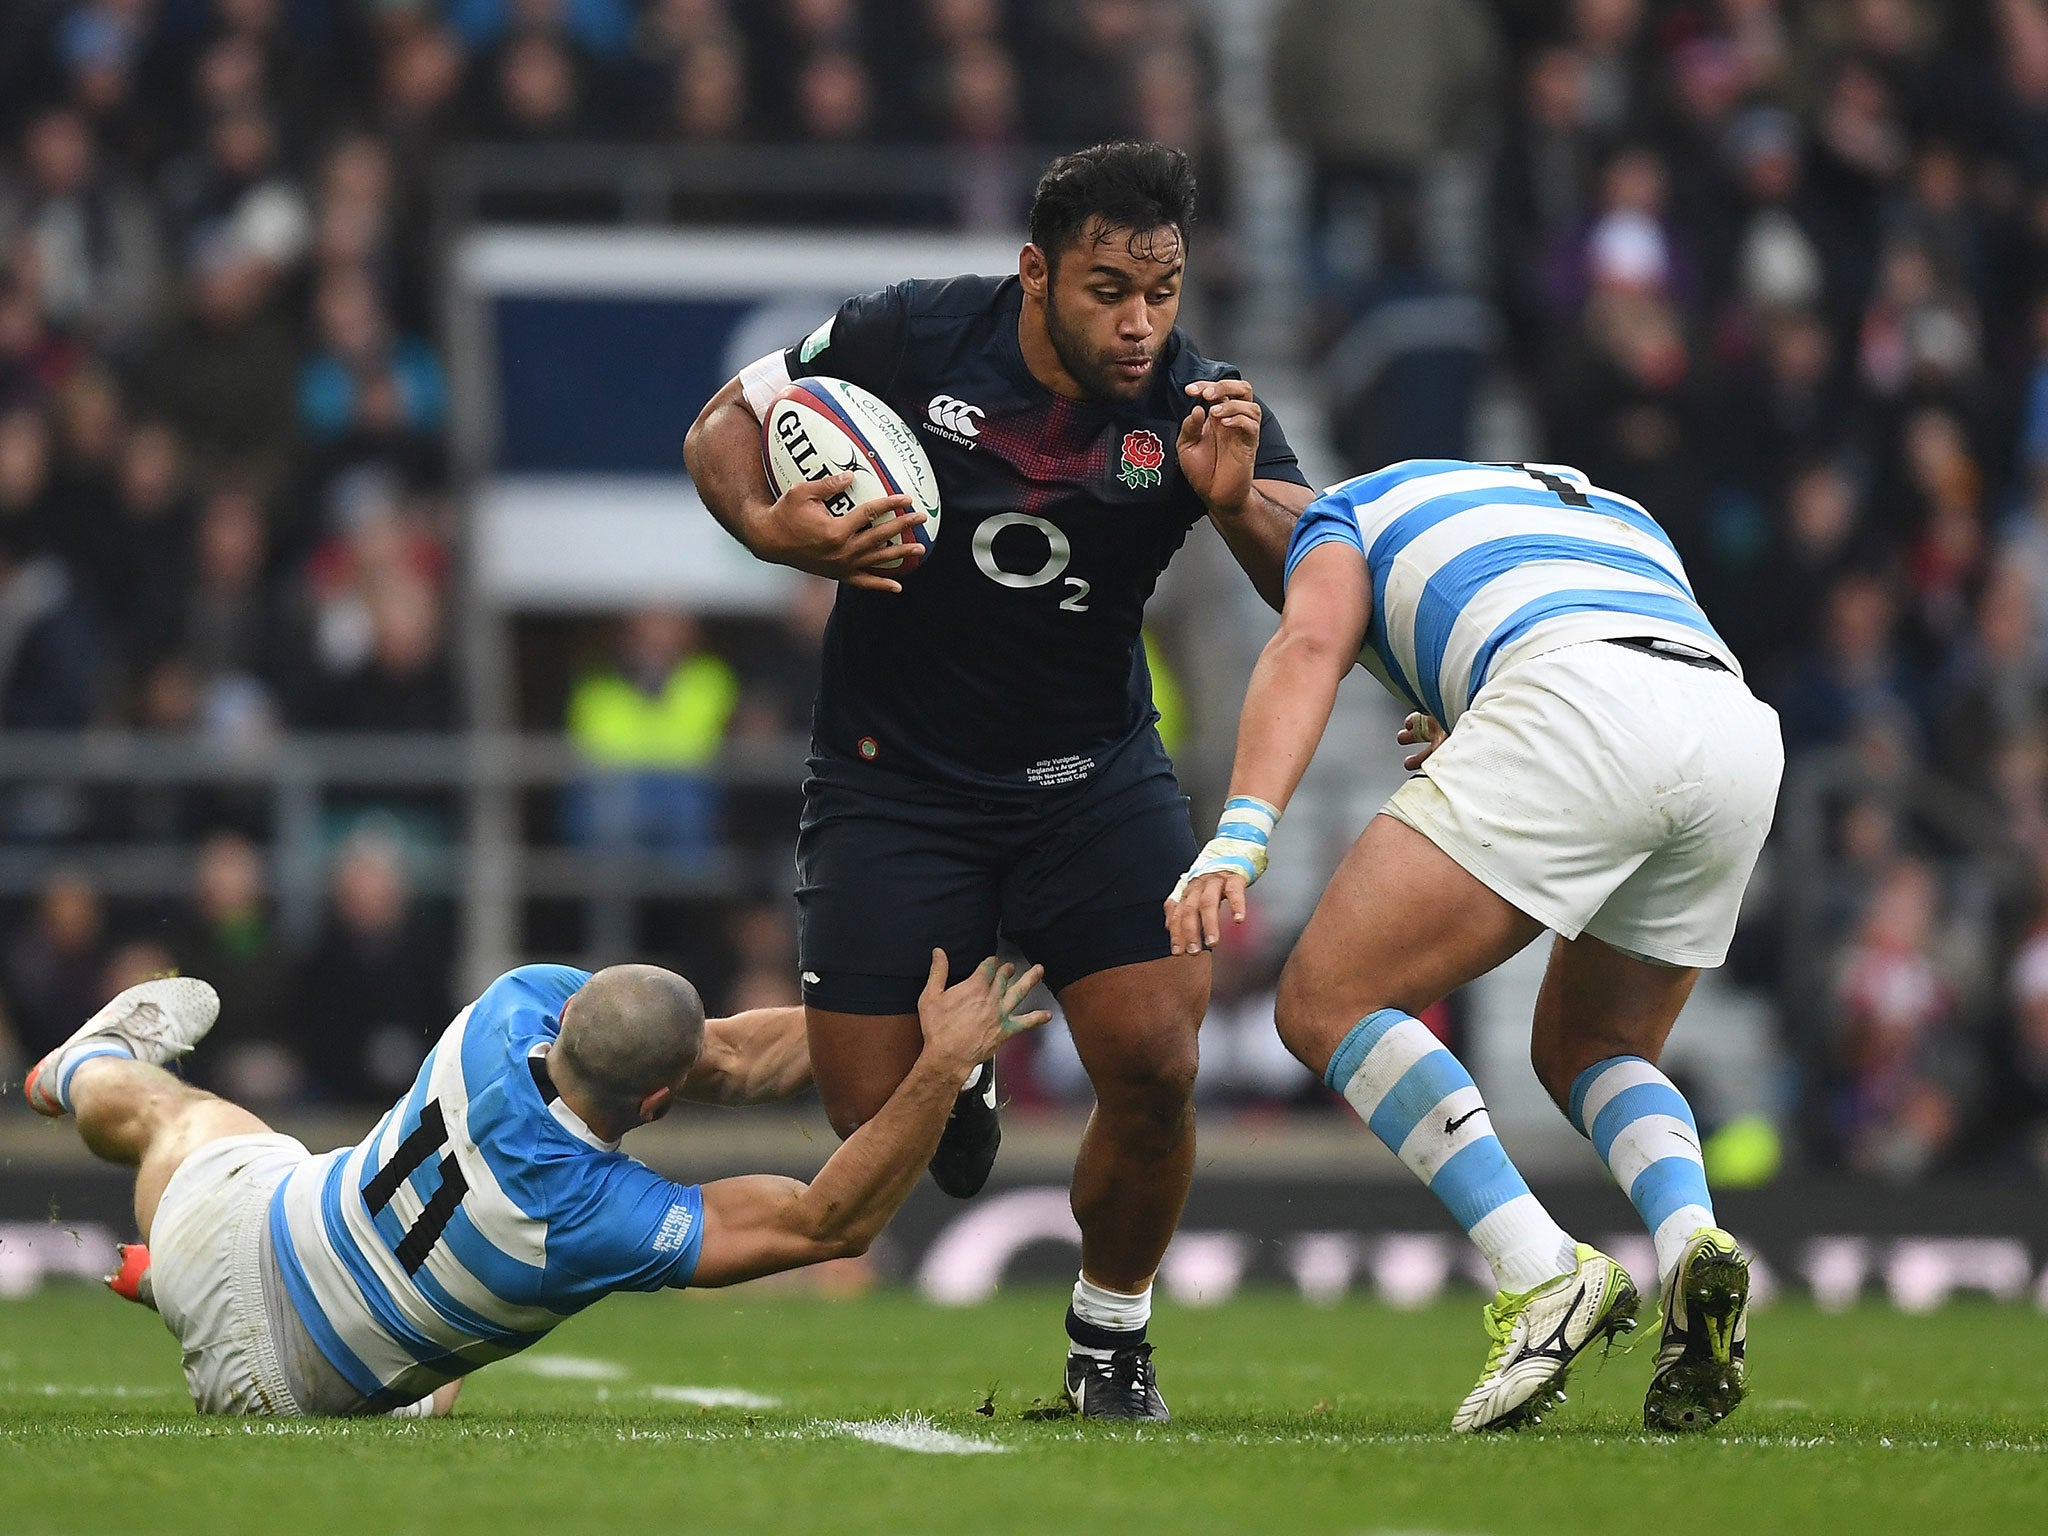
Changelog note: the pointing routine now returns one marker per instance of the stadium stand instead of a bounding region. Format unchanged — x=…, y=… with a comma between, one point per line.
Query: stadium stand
x=1779, y=270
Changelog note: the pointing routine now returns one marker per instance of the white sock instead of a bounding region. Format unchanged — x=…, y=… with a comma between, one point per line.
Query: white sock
x=1524, y=1245
x=1645, y=1133
x=1420, y=1101
x=1097, y=1307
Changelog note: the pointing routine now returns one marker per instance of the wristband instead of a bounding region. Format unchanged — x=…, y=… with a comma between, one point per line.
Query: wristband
x=1239, y=846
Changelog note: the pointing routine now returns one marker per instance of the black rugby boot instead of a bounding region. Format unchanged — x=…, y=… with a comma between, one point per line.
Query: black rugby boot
x=967, y=1149
x=1122, y=1385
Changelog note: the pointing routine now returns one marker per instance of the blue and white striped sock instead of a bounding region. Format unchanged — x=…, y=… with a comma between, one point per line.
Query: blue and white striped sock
x=1644, y=1132
x=85, y=1050
x=1419, y=1099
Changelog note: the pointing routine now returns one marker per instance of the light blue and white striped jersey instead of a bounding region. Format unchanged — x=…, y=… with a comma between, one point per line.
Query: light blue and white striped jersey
x=1475, y=567
x=478, y=1214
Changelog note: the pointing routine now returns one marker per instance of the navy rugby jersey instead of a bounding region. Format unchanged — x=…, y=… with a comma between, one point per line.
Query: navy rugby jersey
x=1011, y=660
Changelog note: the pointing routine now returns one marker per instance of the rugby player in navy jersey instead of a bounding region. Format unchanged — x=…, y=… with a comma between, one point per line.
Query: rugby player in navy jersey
x=984, y=757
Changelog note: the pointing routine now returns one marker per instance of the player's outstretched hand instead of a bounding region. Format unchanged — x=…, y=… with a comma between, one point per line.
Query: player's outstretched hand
x=1228, y=863
x=1194, y=912
x=1420, y=731
x=801, y=532
x=968, y=1021
x=1218, y=446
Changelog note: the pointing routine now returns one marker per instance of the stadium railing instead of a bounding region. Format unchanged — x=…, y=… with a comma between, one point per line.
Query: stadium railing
x=892, y=186
x=492, y=869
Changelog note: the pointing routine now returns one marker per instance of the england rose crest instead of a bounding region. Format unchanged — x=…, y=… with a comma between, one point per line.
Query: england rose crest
x=1143, y=454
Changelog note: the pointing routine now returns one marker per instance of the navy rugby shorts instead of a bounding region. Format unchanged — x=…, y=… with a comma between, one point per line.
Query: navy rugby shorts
x=890, y=867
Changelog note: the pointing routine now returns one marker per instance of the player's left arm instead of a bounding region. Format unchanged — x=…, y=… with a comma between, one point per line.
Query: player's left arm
x=1219, y=452
x=1286, y=708
x=754, y=1057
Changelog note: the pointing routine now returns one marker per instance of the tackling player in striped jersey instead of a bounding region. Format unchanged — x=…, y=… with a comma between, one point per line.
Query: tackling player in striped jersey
x=1592, y=763
x=491, y=1202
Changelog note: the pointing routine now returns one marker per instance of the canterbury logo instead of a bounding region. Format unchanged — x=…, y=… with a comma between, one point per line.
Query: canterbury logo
x=954, y=415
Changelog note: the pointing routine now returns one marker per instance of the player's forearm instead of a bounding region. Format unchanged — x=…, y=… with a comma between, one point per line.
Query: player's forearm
x=1286, y=709
x=867, y=1180
x=1257, y=533
x=722, y=451
x=778, y=1057
x=756, y=1057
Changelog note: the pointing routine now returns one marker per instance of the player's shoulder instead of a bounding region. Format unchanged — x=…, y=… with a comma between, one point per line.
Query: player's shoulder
x=917, y=311
x=521, y=1007
x=944, y=300
x=621, y=1224
x=542, y=984
x=1363, y=490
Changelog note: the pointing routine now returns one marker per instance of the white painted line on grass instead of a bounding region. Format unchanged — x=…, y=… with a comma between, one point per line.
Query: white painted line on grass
x=569, y=1367
x=914, y=1432
x=713, y=1397
x=68, y=1389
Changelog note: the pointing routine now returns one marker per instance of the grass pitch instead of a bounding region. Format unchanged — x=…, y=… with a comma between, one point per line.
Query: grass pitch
x=773, y=1411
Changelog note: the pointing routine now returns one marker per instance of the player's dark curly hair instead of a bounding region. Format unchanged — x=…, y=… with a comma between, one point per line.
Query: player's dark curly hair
x=1133, y=188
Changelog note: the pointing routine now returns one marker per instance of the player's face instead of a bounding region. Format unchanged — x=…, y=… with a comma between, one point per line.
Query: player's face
x=1110, y=303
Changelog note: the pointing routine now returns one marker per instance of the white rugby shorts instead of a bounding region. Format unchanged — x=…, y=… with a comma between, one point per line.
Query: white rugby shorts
x=1605, y=791
x=206, y=1265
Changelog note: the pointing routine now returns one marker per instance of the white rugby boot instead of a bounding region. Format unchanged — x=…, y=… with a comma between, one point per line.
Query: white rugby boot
x=1701, y=1375
x=158, y=1020
x=1538, y=1334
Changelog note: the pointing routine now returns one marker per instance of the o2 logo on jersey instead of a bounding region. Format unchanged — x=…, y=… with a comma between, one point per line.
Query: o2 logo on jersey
x=1058, y=551
x=956, y=420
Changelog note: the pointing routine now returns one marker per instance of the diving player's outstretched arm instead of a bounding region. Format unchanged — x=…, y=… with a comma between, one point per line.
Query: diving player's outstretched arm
x=1286, y=708
x=763, y=1224
x=756, y=1057
x=1218, y=451
x=723, y=453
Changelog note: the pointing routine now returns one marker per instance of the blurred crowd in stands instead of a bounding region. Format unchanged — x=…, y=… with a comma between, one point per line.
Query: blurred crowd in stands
x=1776, y=268
x=225, y=509
x=1779, y=270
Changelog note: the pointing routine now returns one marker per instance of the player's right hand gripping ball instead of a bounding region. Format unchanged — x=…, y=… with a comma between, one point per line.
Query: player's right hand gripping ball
x=1239, y=846
x=818, y=427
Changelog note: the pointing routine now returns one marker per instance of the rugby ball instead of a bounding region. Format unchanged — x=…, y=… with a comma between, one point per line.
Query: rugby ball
x=818, y=427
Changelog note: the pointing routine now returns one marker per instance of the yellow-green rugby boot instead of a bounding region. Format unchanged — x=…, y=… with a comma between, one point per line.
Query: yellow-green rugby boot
x=1700, y=1374
x=1538, y=1334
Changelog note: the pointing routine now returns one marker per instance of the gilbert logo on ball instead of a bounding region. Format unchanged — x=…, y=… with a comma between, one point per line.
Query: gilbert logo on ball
x=817, y=426
x=1143, y=454
x=793, y=433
